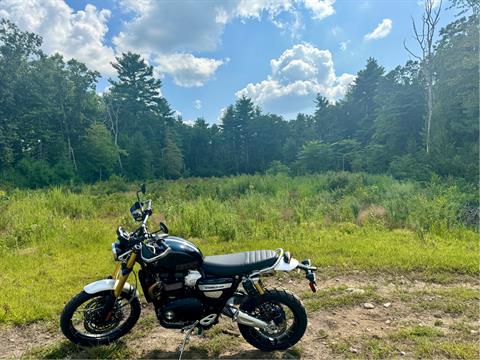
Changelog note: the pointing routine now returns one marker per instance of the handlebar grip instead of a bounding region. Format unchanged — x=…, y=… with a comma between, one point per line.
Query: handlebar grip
x=148, y=208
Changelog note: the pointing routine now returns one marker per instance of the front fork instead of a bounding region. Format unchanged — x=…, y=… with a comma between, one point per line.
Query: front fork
x=120, y=275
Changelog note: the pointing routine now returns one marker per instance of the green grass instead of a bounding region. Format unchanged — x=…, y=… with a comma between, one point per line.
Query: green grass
x=429, y=342
x=419, y=331
x=455, y=301
x=54, y=241
x=421, y=342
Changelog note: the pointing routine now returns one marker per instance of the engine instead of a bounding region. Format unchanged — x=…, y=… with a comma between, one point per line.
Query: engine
x=174, y=286
x=182, y=298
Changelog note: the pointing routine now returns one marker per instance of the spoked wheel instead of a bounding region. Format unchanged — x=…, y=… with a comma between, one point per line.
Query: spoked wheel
x=285, y=314
x=84, y=321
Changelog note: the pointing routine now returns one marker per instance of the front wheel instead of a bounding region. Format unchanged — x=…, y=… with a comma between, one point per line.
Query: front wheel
x=83, y=320
x=284, y=311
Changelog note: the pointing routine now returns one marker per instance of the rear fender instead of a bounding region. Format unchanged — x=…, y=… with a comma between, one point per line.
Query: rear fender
x=284, y=266
x=109, y=284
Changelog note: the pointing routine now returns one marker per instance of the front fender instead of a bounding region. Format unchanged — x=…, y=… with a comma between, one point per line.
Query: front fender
x=108, y=284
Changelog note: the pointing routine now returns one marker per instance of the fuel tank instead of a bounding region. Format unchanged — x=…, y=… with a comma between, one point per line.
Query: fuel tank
x=184, y=256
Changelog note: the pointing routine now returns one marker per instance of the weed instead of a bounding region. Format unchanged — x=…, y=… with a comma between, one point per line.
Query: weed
x=447, y=349
x=378, y=349
x=418, y=331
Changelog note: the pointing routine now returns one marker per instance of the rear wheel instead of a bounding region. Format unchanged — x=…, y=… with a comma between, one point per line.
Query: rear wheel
x=83, y=319
x=284, y=311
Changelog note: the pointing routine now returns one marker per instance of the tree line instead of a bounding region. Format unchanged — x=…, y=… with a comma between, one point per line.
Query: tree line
x=55, y=128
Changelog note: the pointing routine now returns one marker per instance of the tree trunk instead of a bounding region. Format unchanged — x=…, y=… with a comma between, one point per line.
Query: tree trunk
x=429, y=112
x=71, y=154
x=424, y=38
x=114, y=129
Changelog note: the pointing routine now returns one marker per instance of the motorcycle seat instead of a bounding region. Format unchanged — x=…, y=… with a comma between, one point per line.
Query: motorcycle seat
x=239, y=263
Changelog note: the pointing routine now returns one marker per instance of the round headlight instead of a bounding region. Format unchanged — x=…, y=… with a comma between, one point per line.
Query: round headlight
x=115, y=251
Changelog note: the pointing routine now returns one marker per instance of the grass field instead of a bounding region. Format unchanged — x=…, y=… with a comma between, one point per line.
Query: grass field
x=54, y=241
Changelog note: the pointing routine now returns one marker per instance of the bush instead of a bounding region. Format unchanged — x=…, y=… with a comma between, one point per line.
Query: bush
x=277, y=168
x=410, y=167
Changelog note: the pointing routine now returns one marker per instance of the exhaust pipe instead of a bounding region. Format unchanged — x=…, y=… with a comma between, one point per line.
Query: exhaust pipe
x=245, y=319
x=242, y=317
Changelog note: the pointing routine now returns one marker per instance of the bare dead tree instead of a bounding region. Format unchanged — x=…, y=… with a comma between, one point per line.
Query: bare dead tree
x=113, y=119
x=66, y=131
x=424, y=38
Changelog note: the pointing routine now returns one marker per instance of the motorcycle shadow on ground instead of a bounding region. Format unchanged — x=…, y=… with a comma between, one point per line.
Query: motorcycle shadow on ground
x=120, y=349
x=194, y=352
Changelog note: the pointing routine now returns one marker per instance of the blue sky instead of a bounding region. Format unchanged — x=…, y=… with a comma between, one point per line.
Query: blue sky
x=278, y=52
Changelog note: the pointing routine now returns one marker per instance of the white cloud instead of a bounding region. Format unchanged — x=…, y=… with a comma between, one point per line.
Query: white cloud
x=167, y=32
x=435, y=3
x=255, y=8
x=188, y=26
x=186, y=69
x=320, y=9
x=197, y=104
x=336, y=30
x=74, y=34
x=296, y=77
x=221, y=114
x=173, y=26
x=344, y=45
x=189, y=122
x=381, y=31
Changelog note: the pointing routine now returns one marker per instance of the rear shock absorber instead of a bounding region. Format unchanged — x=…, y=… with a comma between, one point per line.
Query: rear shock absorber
x=253, y=287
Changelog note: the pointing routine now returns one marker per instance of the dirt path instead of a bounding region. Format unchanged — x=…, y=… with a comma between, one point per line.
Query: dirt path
x=409, y=318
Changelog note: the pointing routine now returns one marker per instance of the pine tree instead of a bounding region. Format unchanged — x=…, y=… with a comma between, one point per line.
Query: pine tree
x=99, y=152
x=360, y=100
x=172, y=159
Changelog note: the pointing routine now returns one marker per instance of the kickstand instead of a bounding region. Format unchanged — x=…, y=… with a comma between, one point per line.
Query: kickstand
x=188, y=331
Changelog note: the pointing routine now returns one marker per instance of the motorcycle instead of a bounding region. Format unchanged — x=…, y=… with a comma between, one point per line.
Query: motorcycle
x=188, y=290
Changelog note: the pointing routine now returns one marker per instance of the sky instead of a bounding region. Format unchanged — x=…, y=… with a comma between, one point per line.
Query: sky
x=280, y=53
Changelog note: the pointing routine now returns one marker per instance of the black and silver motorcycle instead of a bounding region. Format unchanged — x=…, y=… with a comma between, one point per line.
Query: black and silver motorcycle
x=189, y=291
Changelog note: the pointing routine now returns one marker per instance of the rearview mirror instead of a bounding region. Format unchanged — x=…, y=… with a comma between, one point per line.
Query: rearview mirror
x=143, y=189
x=136, y=211
x=163, y=228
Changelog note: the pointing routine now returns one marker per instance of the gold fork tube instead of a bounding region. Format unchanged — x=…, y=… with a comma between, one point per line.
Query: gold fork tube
x=118, y=267
x=123, y=278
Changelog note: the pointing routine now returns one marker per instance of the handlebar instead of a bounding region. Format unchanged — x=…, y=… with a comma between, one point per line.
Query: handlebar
x=149, y=206
x=147, y=212
x=132, y=240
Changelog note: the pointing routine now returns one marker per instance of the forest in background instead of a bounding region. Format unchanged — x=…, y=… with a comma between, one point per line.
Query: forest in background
x=56, y=129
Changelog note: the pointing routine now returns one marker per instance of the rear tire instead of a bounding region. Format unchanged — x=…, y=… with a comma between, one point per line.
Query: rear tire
x=94, y=338
x=290, y=336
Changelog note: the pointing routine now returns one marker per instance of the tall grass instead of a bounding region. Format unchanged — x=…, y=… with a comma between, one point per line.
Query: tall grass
x=54, y=241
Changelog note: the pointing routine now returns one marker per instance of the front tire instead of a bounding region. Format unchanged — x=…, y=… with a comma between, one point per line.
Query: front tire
x=89, y=331
x=273, y=305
